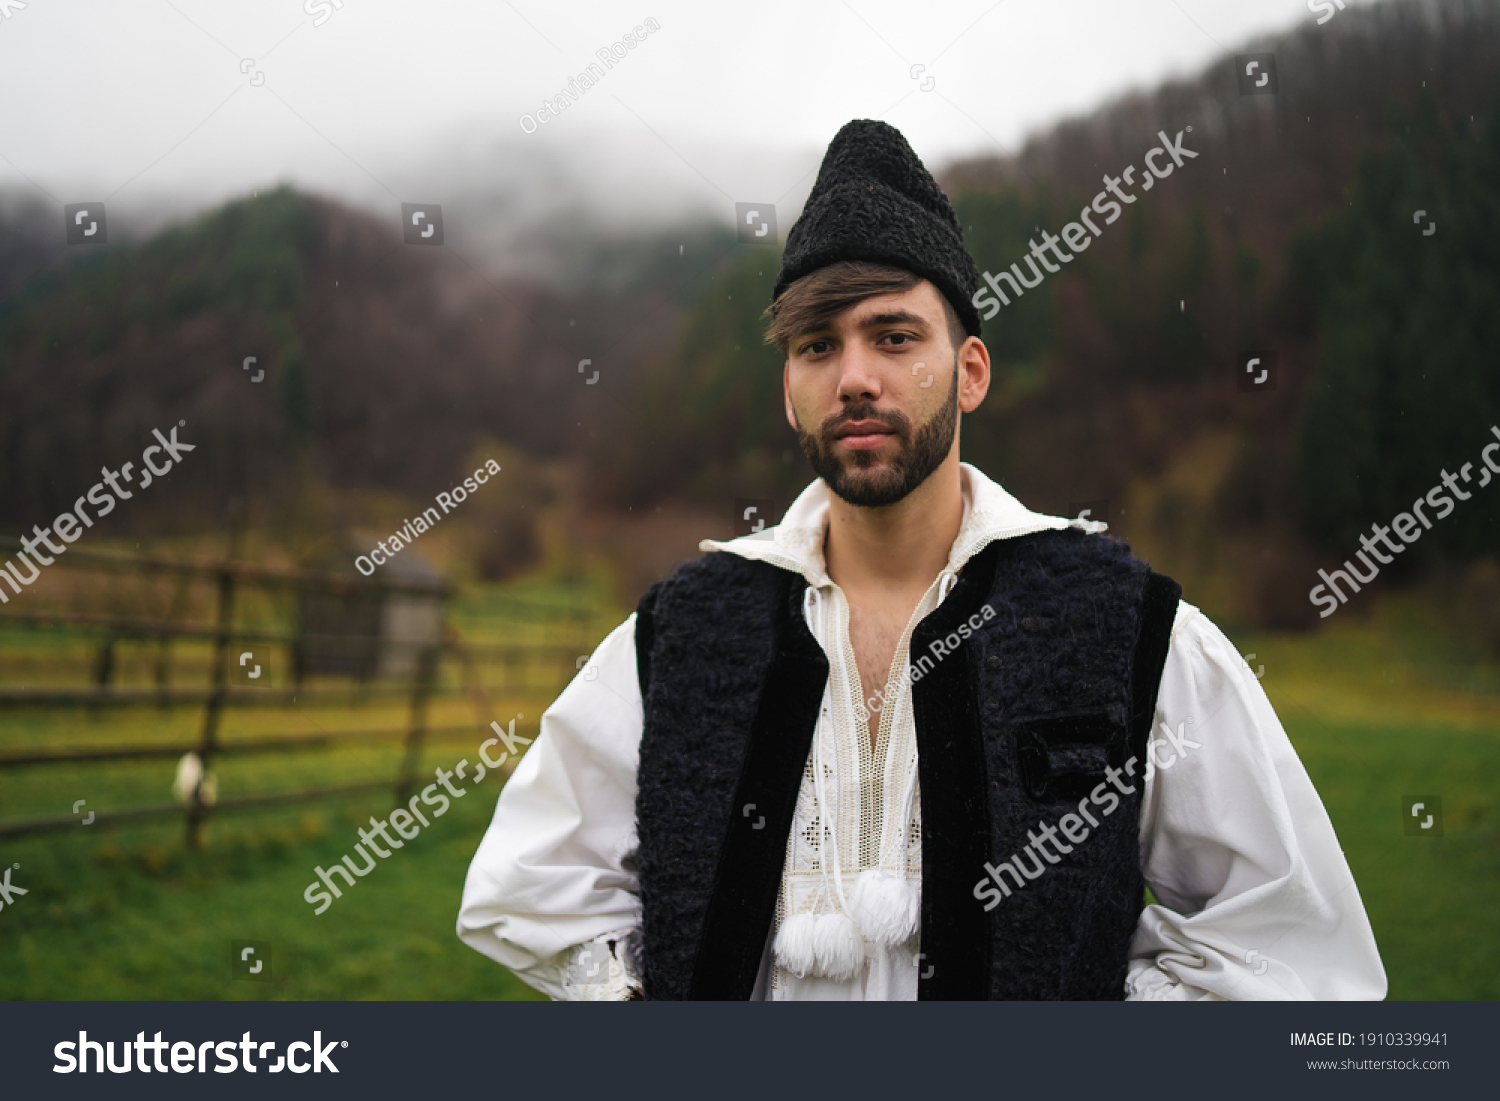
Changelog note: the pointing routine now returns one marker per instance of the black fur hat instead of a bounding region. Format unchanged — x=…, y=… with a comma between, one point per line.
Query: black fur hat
x=874, y=200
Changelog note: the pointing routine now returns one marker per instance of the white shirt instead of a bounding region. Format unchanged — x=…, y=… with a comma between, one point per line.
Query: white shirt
x=1254, y=897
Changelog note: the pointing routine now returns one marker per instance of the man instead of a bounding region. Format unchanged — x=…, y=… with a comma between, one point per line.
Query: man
x=916, y=741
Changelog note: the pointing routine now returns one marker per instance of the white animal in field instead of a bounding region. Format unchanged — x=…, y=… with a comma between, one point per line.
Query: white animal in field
x=189, y=774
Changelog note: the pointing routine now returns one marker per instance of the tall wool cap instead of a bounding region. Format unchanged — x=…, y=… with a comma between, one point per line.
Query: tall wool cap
x=874, y=200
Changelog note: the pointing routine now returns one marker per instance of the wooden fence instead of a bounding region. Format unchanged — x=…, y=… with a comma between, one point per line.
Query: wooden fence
x=365, y=684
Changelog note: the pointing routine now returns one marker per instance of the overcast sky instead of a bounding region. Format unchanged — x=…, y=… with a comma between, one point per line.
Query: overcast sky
x=144, y=103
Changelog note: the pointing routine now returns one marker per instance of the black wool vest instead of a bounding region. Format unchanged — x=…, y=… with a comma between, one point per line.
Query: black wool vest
x=1034, y=689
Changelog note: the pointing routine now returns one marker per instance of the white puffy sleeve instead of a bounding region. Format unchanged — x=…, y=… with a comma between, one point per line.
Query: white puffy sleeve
x=1255, y=898
x=555, y=869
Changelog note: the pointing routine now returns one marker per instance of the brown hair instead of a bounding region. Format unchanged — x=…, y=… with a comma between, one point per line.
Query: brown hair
x=813, y=301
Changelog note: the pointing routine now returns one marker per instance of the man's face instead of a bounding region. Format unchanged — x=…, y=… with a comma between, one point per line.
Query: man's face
x=875, y=397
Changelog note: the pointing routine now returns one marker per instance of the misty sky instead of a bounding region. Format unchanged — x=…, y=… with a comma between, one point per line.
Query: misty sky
x=143, y=102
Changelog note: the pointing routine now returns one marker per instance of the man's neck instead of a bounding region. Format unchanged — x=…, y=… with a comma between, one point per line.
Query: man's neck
x=900, y=547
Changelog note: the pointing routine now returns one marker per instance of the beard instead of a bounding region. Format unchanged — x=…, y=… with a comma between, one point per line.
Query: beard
x=871, y=480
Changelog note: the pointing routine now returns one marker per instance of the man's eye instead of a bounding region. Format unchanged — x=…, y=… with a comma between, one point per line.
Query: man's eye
x=814, y=348
x=901, y=338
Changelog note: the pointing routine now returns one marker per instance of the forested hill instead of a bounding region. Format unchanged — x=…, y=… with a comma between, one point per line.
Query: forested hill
x=379, y=365
x=1291, y=232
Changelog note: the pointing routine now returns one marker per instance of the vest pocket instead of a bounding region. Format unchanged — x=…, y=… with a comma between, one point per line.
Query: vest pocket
x=1064, y=757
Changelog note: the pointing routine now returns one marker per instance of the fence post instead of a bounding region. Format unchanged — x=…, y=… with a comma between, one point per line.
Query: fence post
x=215, y=706
x=104, y=669
x=421, y=688
x=163, y=669
x=176, y=612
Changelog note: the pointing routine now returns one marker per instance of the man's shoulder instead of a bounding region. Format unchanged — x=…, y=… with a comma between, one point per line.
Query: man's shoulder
x=720, y=596
x=1083, y=570
x=719, y=608
x=1070, y=546
x=714, y=573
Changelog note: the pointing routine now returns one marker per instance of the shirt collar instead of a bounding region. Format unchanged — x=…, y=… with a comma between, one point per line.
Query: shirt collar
x=796, y=544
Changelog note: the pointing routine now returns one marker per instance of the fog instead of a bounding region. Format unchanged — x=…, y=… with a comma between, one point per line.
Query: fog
x=164, y=107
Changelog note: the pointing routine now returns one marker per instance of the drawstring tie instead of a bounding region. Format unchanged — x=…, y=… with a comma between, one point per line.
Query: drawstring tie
x=883, y=907
x=826, y=944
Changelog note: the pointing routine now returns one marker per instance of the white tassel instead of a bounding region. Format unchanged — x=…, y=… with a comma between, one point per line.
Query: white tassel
x=794, y=944
x=826, y=945
x=886, y=906
x=837, y=945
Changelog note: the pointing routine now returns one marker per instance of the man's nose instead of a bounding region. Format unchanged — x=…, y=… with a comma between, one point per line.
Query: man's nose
x=859, y=377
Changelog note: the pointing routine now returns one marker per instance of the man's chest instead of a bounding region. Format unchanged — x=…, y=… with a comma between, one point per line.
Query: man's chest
x=876, y=632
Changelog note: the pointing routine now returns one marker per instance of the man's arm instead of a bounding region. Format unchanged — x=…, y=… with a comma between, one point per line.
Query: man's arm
x=555, y=869
x=1255, y=898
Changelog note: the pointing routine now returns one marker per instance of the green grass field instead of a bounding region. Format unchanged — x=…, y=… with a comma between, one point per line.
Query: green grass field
x=129, y=911
x=1377, y=711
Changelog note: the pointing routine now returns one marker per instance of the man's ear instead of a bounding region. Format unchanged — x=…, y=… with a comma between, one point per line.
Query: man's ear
x=786, y=393
x=974, y=374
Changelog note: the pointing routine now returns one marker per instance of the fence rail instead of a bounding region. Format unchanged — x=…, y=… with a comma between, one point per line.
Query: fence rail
x=126, y=626
x=269, y=577
x=146, y=750
x=424, y=654
x=19, y=827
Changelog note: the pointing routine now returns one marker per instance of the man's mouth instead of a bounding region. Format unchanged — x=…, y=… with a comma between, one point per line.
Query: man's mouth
x=863, y=435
